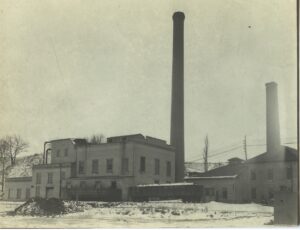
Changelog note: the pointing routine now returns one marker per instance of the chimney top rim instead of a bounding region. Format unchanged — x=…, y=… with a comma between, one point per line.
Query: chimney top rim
x=178, y=15
x=272, y=83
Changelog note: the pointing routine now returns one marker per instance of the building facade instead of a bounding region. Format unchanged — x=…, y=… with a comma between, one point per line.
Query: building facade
x=76, y=169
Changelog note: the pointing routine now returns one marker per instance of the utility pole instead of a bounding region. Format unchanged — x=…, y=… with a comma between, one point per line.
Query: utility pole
x=205, y=154
x=245, y=147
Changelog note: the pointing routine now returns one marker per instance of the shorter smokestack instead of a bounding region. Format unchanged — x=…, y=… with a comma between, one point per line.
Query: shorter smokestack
x=273, y=131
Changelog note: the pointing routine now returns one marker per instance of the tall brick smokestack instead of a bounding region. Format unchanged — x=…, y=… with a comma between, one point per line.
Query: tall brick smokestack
x=177, y=113
x=273, y=132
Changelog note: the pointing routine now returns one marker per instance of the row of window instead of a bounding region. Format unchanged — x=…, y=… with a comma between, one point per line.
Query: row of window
x=124, y=166
x=156, y=166
x=83, y=184
x=211, y=192
x=254, y=194
x=113, y=184
x=19, y=193
x=270, y=192
x=270, y=174
x=49, y=177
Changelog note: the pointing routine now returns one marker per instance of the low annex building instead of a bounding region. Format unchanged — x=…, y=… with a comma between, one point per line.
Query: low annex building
x=76, y=169
x=254, y=180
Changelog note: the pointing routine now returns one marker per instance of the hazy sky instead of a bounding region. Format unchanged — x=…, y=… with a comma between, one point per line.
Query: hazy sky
x=75, y=68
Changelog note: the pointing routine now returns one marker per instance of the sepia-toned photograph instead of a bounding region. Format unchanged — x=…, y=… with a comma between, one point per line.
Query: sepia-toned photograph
x=149, y=114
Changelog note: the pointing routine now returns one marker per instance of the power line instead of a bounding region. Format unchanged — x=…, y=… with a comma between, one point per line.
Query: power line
x=216, y=154
x=218, y=149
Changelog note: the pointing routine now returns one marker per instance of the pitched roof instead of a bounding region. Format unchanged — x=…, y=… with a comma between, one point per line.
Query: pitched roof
x=227, y=170
x=286, y=154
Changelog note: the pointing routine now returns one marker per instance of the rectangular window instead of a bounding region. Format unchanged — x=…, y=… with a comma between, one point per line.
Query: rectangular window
x=27, y=196
x=289, y=173
x=63, y=175
x=38, y=191
x=143, y=164
x=271, y=193
x=82, y=184
x=113, y=184
x=168, y=168
x=109, y=165
x=38, y=178
x=270, y=174
x=253, y=175
x=156, y=182
x=224, y=193
x=98, y=184
x=9, y=191
x=156, y=166
x=125, y=165
x=253, y=193
x=58, y=153
x=81, y=167
x=66, y=152
x=19, y=193
x=207, y=191
x=95, y=166
x=283, y=188
x=50, y=178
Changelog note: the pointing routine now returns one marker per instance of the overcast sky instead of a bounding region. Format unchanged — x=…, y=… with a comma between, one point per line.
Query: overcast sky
x=77, y=68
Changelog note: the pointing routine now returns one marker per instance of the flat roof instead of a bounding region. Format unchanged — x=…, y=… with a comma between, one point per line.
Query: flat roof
x=211, y=177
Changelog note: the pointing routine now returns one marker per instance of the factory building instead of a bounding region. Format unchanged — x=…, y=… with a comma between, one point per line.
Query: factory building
x=76, y=169
x=260, y=177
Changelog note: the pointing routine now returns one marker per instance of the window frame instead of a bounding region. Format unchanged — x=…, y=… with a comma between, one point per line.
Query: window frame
x=224, y=193
x=63, y=175
x=27, y=193
x=169, y=169
x=66, y=152
x=50, y=178
x=125, y=165
x=81, y=168
x=109, y=165
x=38, y=191
x=142, y=164
x=252, y=175
x=270, y=174
x=38, y=178
x=289, y=173
x=19, y=193
x=156, y=166
x=95, y=166
x=253, y=193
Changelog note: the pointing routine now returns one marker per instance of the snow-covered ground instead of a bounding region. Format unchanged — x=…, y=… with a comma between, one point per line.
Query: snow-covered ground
x=152, y=214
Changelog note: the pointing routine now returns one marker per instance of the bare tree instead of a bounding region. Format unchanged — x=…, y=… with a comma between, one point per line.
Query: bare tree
x=205, y=154
x=97, y=139
x=3, y=159
x=16, y=145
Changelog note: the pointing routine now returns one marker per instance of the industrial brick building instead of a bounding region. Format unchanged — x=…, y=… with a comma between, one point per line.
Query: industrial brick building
x=76, y=169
